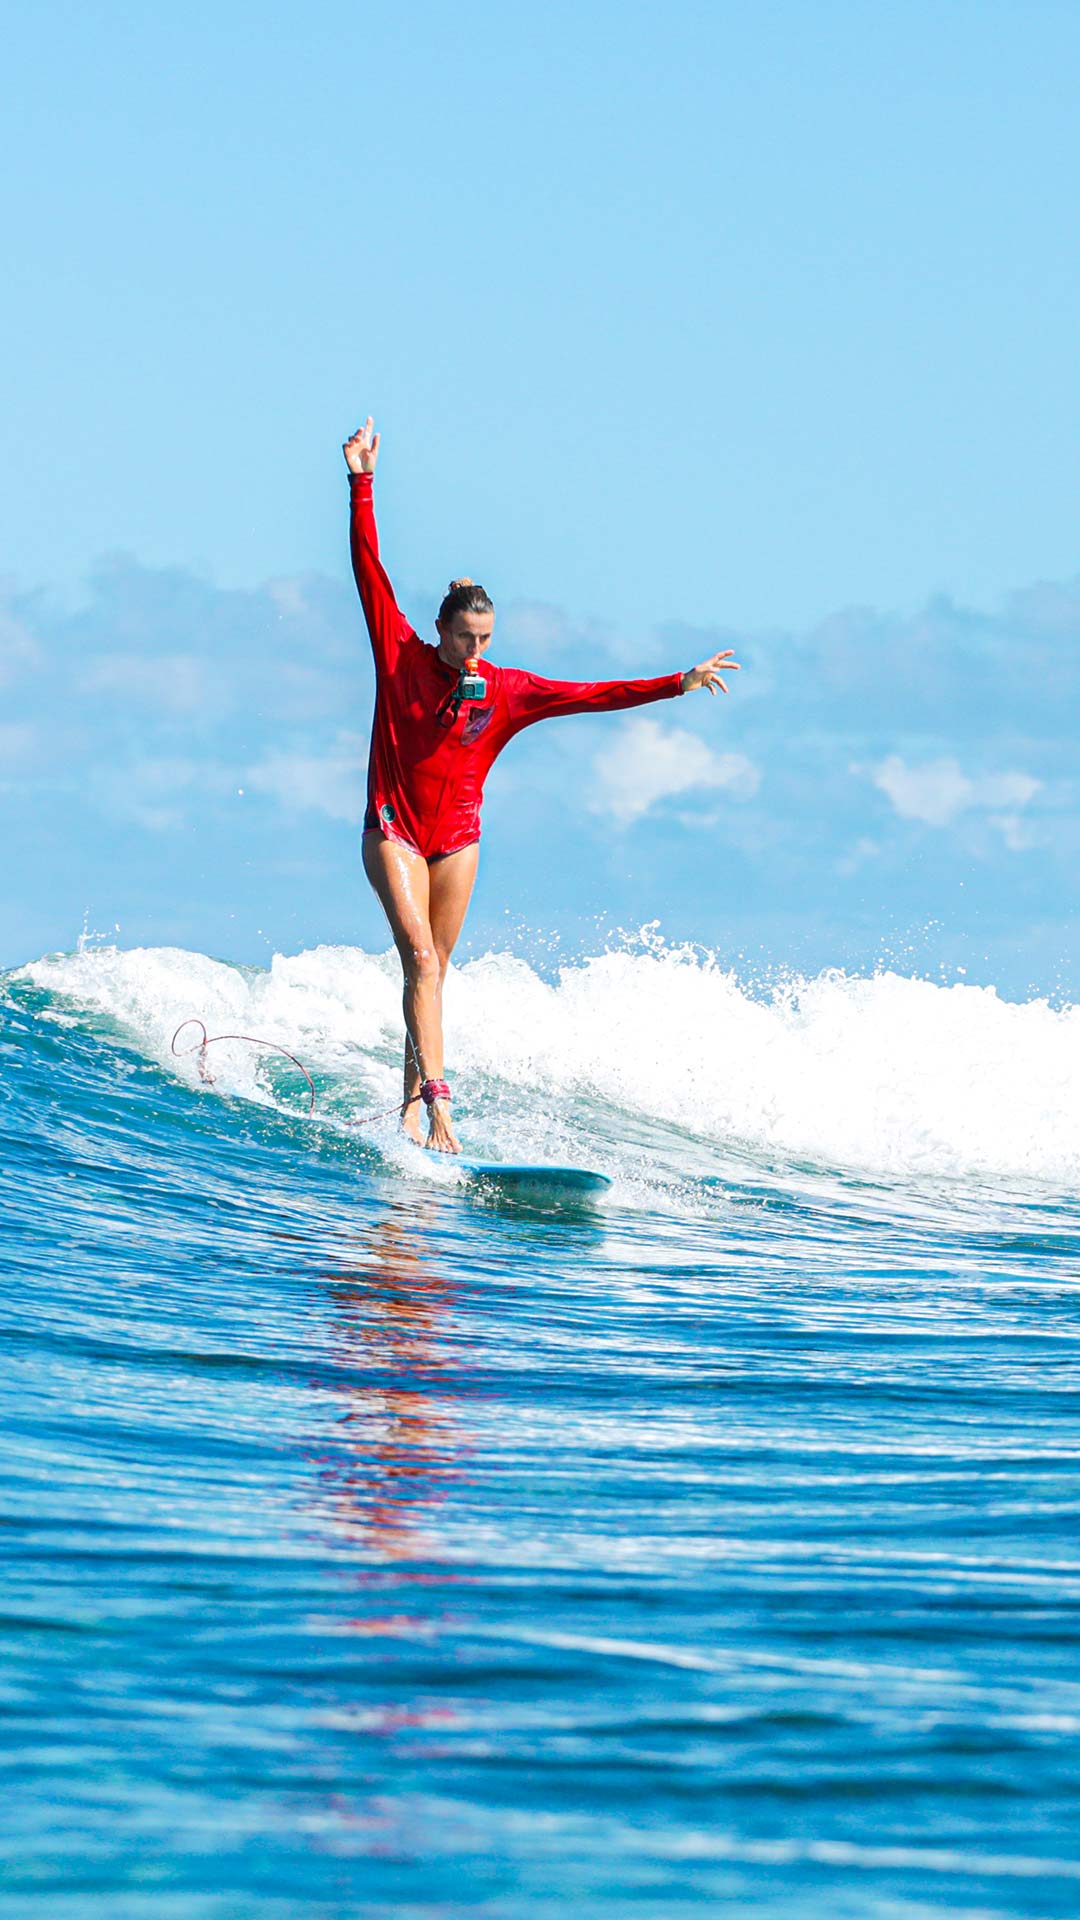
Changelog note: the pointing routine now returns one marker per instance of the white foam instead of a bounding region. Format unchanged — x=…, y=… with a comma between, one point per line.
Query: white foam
x=886, y=1074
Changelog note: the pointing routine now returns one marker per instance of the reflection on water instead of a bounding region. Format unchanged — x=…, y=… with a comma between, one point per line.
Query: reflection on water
x=399, y=1442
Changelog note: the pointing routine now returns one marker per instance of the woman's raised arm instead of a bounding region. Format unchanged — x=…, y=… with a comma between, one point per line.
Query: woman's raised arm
x=386, y=623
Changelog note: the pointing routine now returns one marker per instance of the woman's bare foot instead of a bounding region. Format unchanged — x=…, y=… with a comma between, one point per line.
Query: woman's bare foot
x=410, y=1123
x=441, y=1136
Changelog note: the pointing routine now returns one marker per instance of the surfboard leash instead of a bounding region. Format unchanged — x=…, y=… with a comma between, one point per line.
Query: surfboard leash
x=430, y=1090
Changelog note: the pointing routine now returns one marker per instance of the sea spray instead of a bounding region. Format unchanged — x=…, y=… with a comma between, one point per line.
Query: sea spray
x=885, y=1073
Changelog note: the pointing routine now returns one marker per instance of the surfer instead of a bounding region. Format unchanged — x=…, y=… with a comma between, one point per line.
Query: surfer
x=442, y=714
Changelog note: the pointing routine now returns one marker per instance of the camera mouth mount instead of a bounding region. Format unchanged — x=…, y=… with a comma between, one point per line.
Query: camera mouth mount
x=470, y=687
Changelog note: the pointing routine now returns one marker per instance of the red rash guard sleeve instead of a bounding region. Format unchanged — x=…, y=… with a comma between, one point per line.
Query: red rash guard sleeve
x=386, y=623
x=530, y=698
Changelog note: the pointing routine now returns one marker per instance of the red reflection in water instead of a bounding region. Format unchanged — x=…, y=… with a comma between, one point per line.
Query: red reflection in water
x=399, y=1447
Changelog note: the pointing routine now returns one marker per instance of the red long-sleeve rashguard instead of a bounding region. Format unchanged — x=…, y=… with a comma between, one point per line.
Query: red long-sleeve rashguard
x=426, y=772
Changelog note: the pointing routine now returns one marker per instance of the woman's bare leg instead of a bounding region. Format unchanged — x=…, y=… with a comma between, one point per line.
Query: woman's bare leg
x=400, y=880
x=451, y=881
x=425, y=908
x=450, y=885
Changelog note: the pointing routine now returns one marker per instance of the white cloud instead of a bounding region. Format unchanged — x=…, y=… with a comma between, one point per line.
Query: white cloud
x=178, y=682
x=857, y=856
x=19, y=651
x=16, y=741
x=534, y=626
x=1013, y=831
x=288, y=597
x=331, y=782
x=158, y=793
x=647, y=763
x=1006, y=790
x=939, y=790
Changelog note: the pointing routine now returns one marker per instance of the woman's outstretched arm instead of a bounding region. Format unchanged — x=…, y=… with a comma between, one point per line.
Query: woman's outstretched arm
x=531, y=698
x=386, y=623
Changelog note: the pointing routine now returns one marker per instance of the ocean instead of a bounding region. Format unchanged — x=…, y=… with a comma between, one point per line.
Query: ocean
x=375, y=1545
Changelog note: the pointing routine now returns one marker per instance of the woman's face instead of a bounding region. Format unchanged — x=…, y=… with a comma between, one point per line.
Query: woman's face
x=464, y=637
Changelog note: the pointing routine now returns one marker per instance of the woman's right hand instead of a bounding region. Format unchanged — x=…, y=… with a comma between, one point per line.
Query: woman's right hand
x=361, y=450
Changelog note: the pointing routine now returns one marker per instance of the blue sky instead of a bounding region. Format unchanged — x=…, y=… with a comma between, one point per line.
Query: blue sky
x=682, y=325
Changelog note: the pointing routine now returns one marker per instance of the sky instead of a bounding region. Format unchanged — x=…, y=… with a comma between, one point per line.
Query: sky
x=684, y=326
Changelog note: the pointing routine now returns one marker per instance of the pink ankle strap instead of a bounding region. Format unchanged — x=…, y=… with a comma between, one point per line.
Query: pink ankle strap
x=432, y=1090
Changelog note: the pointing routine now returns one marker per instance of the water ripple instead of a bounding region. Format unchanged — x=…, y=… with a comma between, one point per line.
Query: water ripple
x=369, y=1549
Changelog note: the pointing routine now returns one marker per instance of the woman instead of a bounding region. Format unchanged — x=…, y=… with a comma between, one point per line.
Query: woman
x=441, y=717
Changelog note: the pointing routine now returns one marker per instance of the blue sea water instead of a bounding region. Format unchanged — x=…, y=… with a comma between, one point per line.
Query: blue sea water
x=375, y=1546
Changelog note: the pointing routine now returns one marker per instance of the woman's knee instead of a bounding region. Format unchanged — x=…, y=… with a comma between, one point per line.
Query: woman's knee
x=421, y=963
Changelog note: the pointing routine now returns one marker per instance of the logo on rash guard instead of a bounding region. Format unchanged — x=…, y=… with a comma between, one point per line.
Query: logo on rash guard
x=388, y=813
x=475, y=722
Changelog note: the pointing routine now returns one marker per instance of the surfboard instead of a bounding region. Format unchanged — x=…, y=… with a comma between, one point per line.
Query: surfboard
x=536, y=1177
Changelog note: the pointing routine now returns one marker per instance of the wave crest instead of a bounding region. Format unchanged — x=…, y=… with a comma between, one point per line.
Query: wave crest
x=886, y=1073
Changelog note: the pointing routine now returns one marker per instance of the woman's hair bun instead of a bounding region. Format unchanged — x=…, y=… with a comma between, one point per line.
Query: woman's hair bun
x=464, y=596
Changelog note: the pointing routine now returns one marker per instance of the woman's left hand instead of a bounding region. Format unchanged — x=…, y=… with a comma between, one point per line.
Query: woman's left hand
x=710, y=673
